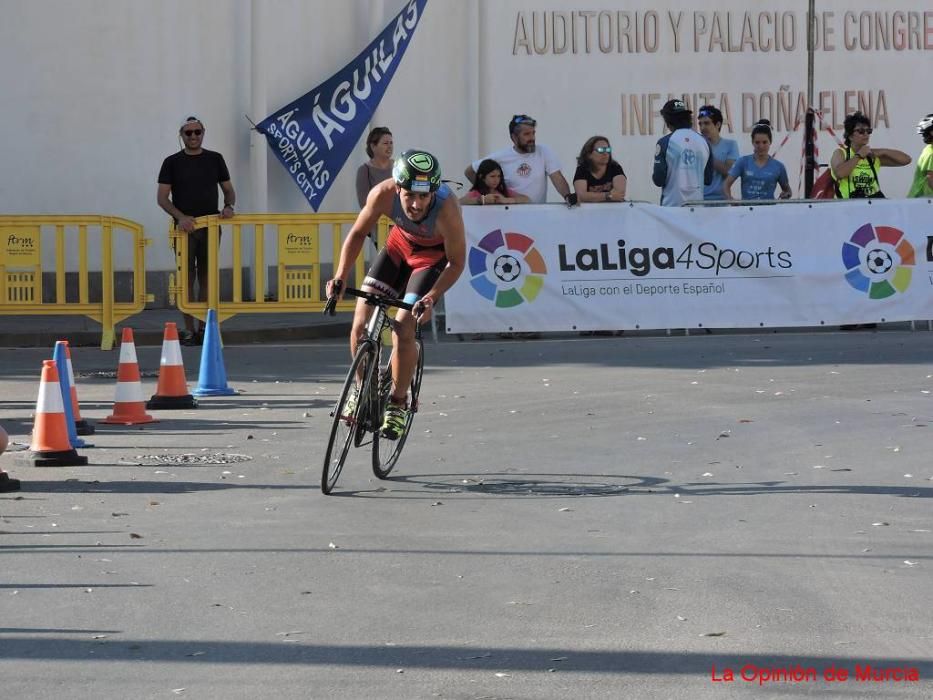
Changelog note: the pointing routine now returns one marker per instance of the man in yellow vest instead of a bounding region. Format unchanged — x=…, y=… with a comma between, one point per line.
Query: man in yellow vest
x=922, y=185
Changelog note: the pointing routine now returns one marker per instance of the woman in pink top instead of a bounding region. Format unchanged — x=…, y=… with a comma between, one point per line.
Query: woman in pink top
x=489, y=187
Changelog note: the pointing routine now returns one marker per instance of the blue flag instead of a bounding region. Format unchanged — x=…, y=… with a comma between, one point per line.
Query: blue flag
x=313, y=136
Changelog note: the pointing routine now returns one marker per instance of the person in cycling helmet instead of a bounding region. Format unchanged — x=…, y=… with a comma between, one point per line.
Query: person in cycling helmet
x=424, y=255
x=922, y=186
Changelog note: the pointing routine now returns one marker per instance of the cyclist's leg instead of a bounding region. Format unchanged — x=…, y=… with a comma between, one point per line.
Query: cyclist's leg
x=431, y=264
x=360, y=316
x=385, y=277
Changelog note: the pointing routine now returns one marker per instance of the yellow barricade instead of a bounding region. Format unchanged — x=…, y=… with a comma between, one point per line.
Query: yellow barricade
x=21, y=270
x=300, y=243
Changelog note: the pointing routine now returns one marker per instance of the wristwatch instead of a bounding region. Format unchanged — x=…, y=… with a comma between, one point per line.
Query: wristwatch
x=227, y=206
x=608, y=196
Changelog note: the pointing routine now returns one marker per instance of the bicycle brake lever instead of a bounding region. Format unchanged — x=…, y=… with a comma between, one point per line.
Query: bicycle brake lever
x=330, y=308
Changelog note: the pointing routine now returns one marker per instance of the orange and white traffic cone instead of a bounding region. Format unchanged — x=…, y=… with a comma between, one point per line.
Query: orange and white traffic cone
x=82, y=427
x=50, y=445
x=128, y=404
x=172, y=391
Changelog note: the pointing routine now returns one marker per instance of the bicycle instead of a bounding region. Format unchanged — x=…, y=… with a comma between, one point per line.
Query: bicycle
x=375, y=385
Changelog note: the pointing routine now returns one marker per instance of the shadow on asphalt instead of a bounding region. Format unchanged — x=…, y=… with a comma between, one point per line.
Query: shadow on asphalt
x=150, y=486
x=327, y=362
x=596, y=485
x=432, y=657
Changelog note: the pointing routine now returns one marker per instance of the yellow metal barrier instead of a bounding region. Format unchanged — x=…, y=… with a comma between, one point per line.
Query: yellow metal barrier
x=300, y=240
x=21, y=268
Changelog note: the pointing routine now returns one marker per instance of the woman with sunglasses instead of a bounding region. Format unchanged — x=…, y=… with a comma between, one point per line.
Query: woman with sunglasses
x=489, y=187
x=599, y=178
x=855, y=167
x=760, y=172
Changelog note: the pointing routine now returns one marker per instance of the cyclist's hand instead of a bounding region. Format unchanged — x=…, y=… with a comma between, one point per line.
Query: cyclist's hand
x=422, y=309
x=571, y=200
x=334, y=291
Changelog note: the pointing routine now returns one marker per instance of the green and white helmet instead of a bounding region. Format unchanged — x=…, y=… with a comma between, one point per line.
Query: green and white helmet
x=925, y=124
x=417, y=171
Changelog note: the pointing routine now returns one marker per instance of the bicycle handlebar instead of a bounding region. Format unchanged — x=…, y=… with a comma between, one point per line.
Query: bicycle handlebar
x=372, y=299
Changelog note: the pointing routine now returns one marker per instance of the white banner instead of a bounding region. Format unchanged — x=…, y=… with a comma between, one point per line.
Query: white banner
x=632, y=265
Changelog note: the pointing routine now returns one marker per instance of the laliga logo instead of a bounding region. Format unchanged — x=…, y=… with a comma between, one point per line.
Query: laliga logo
x=506, y=268
x=878, y=260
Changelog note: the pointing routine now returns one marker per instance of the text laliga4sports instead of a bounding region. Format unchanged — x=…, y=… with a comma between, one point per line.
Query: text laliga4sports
x=641, y=260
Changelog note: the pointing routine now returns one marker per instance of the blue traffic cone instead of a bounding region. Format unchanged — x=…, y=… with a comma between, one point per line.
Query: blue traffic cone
x=61, y=362
x=212, y=377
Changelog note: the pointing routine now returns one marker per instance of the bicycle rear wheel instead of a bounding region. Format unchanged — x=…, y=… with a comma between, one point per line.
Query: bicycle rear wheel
x=346, y=423
x=386, y=452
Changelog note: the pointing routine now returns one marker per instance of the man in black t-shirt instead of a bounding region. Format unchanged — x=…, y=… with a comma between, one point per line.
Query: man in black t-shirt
x=188, y=184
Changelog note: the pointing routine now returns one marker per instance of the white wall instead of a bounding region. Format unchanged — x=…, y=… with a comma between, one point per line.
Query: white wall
x=93, y=91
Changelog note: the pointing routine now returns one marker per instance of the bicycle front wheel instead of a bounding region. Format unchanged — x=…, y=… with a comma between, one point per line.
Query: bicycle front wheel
x=386, y=452
x=346, y=418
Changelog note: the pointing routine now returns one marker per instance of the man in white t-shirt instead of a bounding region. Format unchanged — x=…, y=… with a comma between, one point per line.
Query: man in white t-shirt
x=527, y=166
x=682, y=164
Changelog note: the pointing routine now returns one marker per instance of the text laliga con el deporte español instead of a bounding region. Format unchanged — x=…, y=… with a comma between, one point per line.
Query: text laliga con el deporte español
x=645, y=289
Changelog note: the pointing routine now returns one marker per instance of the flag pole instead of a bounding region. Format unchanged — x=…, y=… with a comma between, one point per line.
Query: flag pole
x=809, y=131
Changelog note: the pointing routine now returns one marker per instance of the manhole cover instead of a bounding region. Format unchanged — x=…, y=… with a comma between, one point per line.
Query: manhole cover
x=185, y=459
x=110, y=374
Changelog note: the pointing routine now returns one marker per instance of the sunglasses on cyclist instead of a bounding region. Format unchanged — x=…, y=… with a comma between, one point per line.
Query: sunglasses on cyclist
x=192, y=132
x=862, y=130
x=603, y=149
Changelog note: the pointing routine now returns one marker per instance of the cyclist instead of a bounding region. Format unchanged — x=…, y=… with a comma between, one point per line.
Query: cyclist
x=423, y=257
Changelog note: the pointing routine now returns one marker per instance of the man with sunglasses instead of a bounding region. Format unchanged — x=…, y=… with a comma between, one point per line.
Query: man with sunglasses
x=723, y=152
x=855, y=167
x=527, y=165
x=188, y=184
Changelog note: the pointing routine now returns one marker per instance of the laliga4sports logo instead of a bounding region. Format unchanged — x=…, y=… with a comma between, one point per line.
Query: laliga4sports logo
x=506, y=268
x=878, y=260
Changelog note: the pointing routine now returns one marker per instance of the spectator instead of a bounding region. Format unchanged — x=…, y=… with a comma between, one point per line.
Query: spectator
x=526, y=165
x=760, y=173
x=855, y=167
x=489, y=187
x=188, y=184
x=923, y=177
x=682, y=164
x=599, y=177
x=723, y=152
x=379, y=147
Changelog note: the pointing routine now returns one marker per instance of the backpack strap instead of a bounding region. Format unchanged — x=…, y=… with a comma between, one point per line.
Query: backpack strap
x=871, y=164
x=836, y=182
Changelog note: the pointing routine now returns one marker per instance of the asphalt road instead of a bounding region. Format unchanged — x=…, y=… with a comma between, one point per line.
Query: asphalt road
x=572, y=518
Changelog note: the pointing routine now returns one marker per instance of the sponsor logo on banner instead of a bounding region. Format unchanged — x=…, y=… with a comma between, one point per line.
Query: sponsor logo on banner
x=879, y=261
x=313, y=135
x=19, y=246
x=506, y=268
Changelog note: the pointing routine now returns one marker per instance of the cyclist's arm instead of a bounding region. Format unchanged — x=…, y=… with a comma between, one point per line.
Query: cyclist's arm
x=378, y=202
x=451, y=224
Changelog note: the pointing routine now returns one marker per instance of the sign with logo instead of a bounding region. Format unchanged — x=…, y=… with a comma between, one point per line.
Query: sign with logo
x=20, y=247
x=313, y=135
x=298, y=245
x=631, y=266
